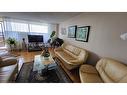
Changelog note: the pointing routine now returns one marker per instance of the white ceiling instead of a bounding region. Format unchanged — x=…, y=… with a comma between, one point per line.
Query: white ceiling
x=47, y=17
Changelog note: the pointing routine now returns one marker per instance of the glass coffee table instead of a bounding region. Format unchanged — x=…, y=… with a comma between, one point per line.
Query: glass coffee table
x=42, y=65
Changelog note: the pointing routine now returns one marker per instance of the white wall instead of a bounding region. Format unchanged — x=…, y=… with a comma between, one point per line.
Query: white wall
x=104, y=39
x=1, y=19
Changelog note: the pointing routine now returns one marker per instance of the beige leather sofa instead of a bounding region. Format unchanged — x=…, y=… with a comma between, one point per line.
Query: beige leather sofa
x=71, y=56
x=107, y=70
x=8, y=69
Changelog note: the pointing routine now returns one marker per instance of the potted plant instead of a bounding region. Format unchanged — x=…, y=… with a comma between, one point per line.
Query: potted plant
x=52, y=36
x=45, y=53
x=11, y=42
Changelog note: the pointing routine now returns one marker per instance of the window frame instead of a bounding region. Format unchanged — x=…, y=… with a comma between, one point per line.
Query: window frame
x=30, y=28
x=27, y=30
x=3, y=39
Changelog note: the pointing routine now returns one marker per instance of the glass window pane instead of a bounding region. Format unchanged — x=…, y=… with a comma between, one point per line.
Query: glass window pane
x=38, y=28
x=0, y=28
x=1, y=33
x=1, y=37
x=19, y=27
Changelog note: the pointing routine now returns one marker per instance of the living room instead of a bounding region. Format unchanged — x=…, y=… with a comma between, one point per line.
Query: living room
x=88, y=55
x=104, y=41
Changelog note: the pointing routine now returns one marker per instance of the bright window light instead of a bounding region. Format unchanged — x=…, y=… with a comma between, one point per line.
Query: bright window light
x=38, y=28
x=19, y=27
x=0, y=29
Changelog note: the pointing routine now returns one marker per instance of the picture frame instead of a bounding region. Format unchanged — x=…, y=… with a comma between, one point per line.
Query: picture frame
x=72, y=31
x=63, y=31
x=82, y=33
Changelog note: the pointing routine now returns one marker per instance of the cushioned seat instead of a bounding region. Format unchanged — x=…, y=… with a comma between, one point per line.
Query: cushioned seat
x=89, y=74
x=7, y=73
x=8, y=68
x=106, y=70
x=66, y=56
x=8, y=61
x=71, y=56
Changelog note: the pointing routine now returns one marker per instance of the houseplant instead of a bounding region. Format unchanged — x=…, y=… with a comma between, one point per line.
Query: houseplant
x=52, y=34
x=52, y=37
x=11, y=42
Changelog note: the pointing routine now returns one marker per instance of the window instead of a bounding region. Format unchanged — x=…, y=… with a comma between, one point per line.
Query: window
x=2, y=44
x=26, y=27
x=19, y=27
x=1, y=30
x=38, y=28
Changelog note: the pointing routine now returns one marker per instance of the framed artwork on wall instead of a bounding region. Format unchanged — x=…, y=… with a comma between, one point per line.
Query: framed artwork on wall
x=72, y=31
x=82, y=33
x=63, y=31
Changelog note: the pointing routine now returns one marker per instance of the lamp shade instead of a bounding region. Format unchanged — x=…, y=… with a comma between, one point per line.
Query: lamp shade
x=123, y=36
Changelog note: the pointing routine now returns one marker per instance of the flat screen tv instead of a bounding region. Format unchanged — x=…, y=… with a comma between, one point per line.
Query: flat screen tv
x=35, y=38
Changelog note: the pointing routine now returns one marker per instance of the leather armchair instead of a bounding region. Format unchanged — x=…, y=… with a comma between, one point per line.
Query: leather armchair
x=8, y=69
x=107, y=70
x=8, y=61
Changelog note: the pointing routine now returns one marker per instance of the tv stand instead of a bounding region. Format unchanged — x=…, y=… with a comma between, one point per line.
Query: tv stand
x=34, y=46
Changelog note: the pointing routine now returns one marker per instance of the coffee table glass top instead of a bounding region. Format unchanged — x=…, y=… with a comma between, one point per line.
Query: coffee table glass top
x=40, y=62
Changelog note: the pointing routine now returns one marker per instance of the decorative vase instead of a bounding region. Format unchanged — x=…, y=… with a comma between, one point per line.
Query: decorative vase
x=45, y=53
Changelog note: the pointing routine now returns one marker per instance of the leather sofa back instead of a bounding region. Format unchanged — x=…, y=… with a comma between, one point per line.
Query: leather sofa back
x=76, y=52
x=111, y=70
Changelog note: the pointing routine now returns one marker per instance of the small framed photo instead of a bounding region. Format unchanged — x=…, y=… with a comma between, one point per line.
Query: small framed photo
x=72, y=31
x=63, y=31
x=82, y=33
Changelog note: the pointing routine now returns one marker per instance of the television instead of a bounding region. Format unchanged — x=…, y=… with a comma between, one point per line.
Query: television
x=35, y=38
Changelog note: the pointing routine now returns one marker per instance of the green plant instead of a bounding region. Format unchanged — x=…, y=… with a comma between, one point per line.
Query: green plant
x=52, y=34
x=11, y=41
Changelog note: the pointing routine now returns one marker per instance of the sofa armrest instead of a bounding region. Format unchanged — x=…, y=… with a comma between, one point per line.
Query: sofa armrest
x=88, y=69
x=74, y=62
x=8, y=61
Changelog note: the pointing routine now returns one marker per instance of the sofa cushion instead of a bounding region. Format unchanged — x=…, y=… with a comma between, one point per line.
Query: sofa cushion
x=111, y=70
x=88, y=74
x=69, y=48
x=88, y=69
x=64, y=55
x=73, y=49
x=8, y=61
x=7, y=73
x=76, y=51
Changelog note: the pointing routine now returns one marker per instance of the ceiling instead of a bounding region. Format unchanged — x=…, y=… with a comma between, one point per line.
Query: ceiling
x=47, y=17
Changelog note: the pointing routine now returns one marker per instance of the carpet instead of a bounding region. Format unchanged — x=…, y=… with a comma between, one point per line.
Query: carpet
x=54, y=75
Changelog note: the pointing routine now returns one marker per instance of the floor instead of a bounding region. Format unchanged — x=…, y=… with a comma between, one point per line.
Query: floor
x=26, y=56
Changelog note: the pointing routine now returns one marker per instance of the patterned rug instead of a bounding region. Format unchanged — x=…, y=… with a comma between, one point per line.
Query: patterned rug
x=53, y=75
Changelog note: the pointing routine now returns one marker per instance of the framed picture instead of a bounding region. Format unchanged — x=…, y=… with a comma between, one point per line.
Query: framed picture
x=82, y=33
x=72, y=31
x=63, y=31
